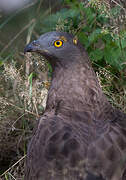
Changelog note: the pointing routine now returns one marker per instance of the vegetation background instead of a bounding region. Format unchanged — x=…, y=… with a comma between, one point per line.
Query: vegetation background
x=100, y=25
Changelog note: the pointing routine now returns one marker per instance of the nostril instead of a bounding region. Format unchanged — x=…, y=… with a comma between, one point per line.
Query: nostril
x=35, y=43
x=32, y=47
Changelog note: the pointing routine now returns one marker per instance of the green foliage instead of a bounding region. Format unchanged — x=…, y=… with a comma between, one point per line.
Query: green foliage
x=61, y=19
x=96, y=26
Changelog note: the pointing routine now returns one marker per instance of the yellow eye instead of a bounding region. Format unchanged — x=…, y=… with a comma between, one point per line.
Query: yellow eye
x=58, y=43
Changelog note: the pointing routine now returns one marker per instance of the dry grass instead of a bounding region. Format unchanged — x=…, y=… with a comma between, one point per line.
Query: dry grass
x=22, y=101
x=115, y=92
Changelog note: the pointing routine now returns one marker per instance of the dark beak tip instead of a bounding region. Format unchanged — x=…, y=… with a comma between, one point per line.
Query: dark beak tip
x=28, y=48
x=25, y=50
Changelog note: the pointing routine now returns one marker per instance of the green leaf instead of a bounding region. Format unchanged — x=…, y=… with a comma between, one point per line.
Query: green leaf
x=123, y=42
x=94, y=36
x=30, y=83
x=1, y=63
x=90, y=15
x=49, y=69
x=81, y=6
x=106, y=37
x=96, y=55
x=112, y=56
x=83, y=38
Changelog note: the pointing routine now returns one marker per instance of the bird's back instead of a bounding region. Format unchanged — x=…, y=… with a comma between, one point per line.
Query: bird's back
x=72, y=150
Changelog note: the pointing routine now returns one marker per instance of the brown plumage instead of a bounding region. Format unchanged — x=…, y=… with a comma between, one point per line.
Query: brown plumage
x=80, y=136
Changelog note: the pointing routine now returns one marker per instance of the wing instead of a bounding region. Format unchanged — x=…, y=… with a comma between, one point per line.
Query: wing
x=54, y=152
x=107, y=154
x=73, y=150
x=57, y=151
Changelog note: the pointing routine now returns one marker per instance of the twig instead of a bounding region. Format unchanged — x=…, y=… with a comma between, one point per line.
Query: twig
x=13, y=165
x=17, y=120
x=21, y=109
x=20, y=32
x=18, y=11
x=118, y=4
x=38, y=9
x=11, y=176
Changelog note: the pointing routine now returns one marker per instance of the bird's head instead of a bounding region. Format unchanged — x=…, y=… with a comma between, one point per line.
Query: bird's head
x=57, y=47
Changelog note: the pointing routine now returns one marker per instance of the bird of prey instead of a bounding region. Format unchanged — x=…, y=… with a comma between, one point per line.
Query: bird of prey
x=80, y=136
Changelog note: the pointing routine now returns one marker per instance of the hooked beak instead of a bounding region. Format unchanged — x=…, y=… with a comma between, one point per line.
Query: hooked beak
x=34, y=46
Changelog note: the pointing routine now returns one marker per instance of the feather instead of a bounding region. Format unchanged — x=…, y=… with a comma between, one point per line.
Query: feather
x=80, y=136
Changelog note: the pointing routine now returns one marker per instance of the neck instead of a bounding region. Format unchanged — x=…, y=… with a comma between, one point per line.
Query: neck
x=75, y=88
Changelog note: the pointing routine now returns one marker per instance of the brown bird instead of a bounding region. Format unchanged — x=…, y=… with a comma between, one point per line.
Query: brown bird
x=80, y=136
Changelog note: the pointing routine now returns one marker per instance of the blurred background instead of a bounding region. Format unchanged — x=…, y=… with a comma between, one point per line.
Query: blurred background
x=100, y=25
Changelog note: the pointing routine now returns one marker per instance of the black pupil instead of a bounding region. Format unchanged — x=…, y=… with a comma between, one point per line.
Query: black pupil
x=58, y=43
